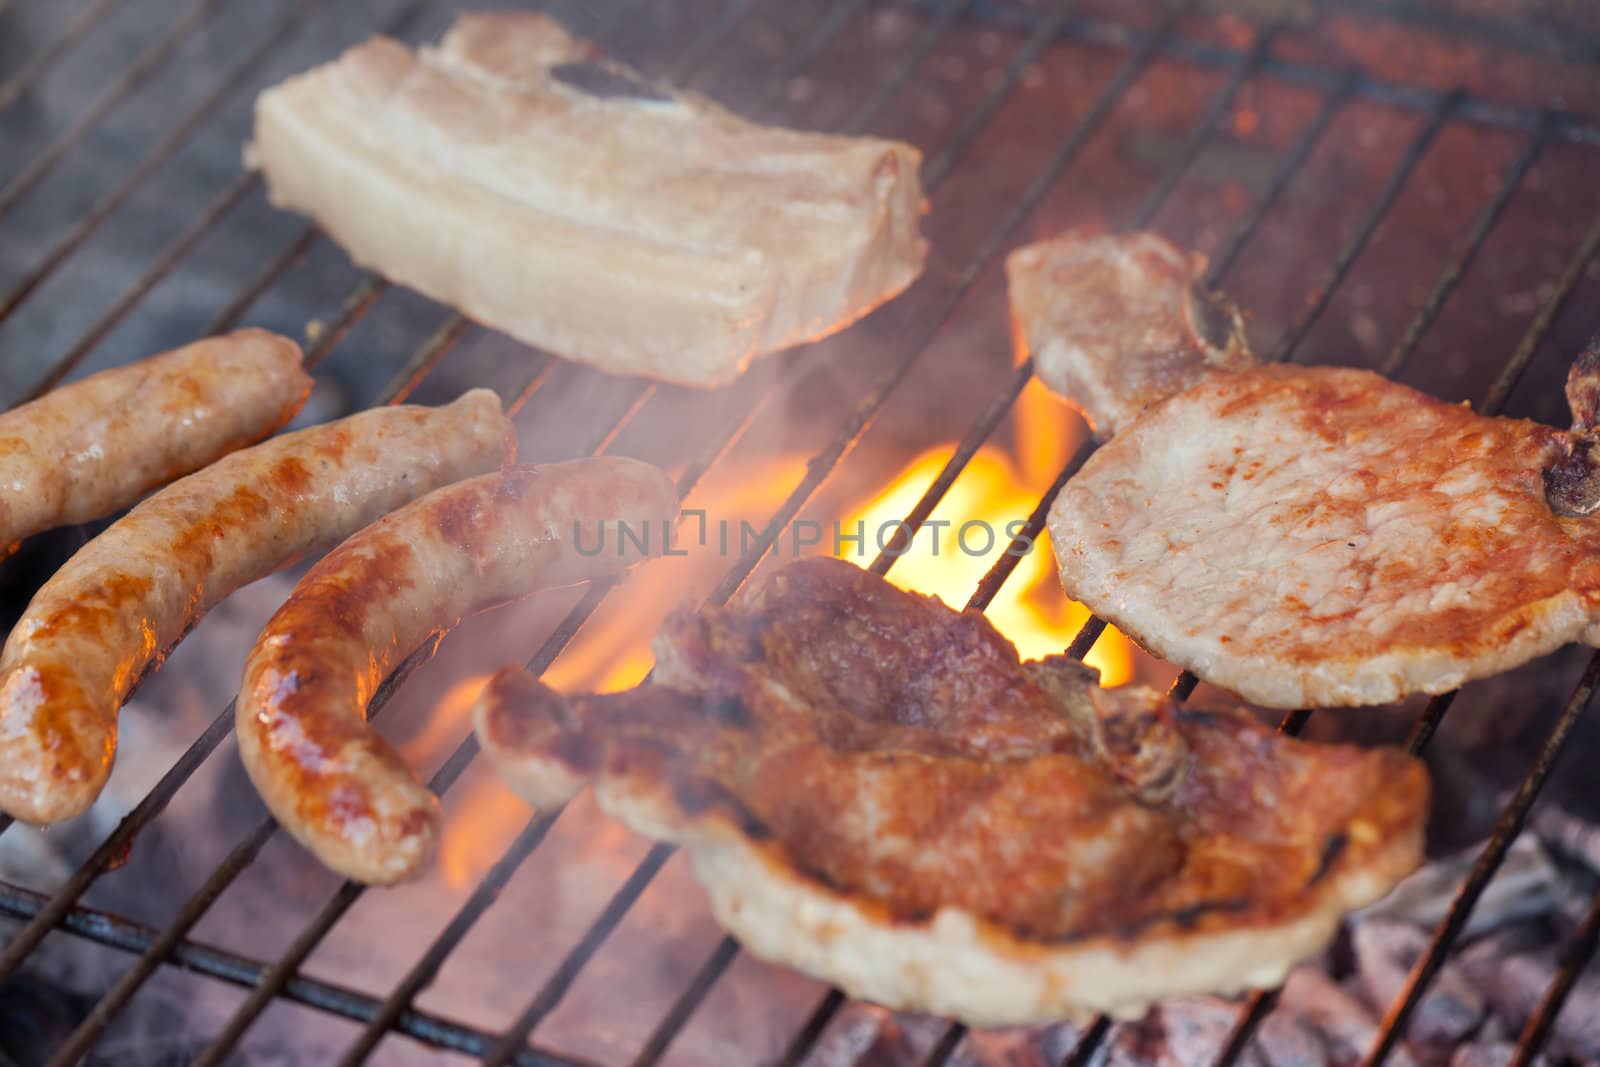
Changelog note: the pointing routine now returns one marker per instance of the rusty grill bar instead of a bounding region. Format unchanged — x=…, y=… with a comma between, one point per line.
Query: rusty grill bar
x=268, y=981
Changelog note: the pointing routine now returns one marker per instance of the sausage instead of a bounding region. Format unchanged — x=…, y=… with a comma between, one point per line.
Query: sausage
x=116, y=607
x=330, y=779
x=94, y=447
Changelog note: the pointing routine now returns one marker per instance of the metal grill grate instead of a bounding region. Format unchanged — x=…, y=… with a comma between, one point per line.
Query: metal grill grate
x=1030, y=31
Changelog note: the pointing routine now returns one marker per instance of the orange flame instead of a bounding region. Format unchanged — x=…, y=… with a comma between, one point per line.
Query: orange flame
x=486, y=813
x=1001, y=484
x=996, y=488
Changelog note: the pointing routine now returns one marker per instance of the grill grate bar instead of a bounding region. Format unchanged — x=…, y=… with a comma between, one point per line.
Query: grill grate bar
x=104, y=206
x=694, y=56
x=1573, y=961
x=1289, y=344
x=170, y=257
x=277, y=977
x=937, y=169
x=423, y=972
x=1221, y=104
x=86, y=22
x=1292, y=164
x=821, y=35
x=1000, y=406
x=135, y=75
x=424, y=359
x=556, y=986
x=1547, y=313
x=1505, y=832
x=931, y=35
x=263, y=280
x=114, y=931
x=1467, y=251
x=1476, y=109
x=811, y=1031
x=684, y=1007
x=1088, y=1043
x=946, y=1046
x=824, y=461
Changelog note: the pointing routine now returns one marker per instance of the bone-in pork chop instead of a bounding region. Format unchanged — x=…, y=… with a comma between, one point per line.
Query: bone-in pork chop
x=875, y=791
x=1301, y=536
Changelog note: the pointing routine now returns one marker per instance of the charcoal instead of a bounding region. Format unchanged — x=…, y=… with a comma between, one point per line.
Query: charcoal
x=1449, y=1011
x=1577, y=1029
x=1572, y=838
x=1345, y=1024
x=36, y=1015
x=864, y=1036
x=1527, y=884
x=1483, y=1054
x=1178, y=1033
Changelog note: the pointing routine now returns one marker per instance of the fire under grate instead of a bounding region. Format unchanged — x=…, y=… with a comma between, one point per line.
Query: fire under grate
x=1235, y=61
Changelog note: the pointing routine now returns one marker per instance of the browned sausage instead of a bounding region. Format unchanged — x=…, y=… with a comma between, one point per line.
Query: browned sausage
x=330, y=779
x=96, y=446
x=127, y=596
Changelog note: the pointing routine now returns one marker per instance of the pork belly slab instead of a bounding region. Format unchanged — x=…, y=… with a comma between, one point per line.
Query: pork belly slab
x=873, y=790
x=514, y=173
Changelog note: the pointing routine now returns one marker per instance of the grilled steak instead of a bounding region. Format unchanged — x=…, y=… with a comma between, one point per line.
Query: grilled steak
x=874, y=790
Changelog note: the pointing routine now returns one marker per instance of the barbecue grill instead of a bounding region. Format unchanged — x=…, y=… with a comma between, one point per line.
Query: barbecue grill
x=1395, y=183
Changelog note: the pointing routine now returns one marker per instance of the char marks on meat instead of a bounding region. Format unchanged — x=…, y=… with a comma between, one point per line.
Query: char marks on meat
x=874, y=790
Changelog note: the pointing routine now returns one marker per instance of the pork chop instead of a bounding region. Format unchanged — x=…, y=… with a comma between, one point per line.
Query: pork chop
x=1115, y=323
x=873, y=790
x=1324, y=536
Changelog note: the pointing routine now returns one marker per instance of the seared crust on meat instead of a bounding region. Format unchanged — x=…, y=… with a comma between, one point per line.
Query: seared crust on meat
x=875, y=791
x=114, y=609
x=331, y=780
x=1115, y=323
x=87, y=449
x=513, y=173
x=1322, y=536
